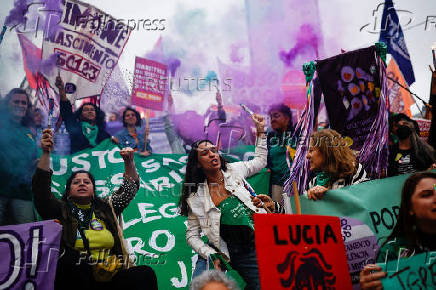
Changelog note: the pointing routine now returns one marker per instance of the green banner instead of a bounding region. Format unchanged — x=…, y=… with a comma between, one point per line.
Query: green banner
x=153, y=229
x=376, y=203
x=416, y=272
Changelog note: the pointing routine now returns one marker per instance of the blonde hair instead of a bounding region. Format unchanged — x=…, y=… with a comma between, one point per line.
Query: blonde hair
x=339, y=160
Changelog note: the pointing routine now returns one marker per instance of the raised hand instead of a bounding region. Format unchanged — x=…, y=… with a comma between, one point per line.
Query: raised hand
x=47, y=140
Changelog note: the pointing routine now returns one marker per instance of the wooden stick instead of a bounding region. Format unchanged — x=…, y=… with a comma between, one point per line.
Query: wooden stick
x=296, y=198
x=434, y=57
x=147, y=126
x=431, y=69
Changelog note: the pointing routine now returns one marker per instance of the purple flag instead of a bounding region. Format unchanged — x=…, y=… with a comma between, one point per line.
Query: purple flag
x=29, y=254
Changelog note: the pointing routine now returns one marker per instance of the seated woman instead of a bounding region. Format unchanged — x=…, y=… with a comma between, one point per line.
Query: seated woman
x=410, y=154
x=415, y=231
x=86, y=126
x=333, y=162
x=214, y=188
x=91, y=233
x=131, y=136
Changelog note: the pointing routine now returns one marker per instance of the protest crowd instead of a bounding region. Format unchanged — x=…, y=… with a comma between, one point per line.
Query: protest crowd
x=267, y=195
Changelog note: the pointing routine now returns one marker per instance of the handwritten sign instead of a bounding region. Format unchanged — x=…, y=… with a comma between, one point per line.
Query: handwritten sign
x=416, y=272
x=300, y=252
x=149, y=84
x=88, y=43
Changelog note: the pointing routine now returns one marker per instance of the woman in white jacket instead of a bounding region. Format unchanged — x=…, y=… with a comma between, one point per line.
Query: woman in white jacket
x=219, y=202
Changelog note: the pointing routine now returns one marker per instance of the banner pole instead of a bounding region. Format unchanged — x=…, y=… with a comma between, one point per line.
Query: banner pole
x=296, y=198
x=147, y=126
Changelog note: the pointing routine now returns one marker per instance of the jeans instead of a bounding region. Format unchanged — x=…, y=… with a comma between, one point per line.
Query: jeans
x=243, y=259
x=200, y=267
x=16, y=211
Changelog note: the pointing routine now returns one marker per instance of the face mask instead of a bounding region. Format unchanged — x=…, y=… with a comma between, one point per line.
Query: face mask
x=403, y=132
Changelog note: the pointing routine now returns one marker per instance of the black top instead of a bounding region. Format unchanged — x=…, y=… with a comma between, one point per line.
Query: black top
x=74, y=127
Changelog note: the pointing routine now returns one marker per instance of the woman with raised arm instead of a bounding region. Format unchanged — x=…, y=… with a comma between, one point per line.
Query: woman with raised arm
x=86, y=126
x=92, y=252
x=213, y=191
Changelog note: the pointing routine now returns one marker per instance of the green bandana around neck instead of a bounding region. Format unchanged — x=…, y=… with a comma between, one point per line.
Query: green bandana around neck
x=90, y=132
x=323, y=179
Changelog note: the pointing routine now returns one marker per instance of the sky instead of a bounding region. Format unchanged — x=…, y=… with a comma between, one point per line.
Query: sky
x=203, y=31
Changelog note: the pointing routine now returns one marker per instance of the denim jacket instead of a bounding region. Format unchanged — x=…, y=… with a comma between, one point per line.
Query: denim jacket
x=205, y=217
x=127, y=140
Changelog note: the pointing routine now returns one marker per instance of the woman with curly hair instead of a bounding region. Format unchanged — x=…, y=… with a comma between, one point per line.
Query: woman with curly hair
x=333, y=162
x=86, y=126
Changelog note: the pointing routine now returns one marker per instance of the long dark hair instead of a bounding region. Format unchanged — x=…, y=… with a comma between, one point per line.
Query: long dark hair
x=137, y=115
x=70, y=180
x=423, y=152
x=406, y=223
x=27, y=119
x=99, y=115
x=194, y=176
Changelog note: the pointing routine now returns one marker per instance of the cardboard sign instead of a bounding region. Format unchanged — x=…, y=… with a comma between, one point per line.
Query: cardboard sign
x=416, y=272
x=29, y=254
x=149, y=84
x=300, y=252
x=88, y=43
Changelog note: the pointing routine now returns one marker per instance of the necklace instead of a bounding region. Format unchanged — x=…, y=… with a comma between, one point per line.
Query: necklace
x=219, y=180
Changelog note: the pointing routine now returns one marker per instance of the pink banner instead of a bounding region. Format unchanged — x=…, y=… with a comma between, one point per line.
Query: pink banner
x=149, y=84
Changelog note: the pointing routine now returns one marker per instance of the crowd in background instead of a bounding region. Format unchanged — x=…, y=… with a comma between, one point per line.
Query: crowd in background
x=22, y=129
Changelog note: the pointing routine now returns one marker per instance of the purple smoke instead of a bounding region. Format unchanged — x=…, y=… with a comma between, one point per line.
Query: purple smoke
x=45, y=66
x=17, y=14
x=307, y=41
x=173, y=64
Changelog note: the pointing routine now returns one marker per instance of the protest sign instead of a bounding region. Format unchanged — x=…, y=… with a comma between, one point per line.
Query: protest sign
x=149, y=84
x=360, y=246
x=424, y=128
x=29, y=254
x=88, y=43
x=376, y=203
x=416, y=272
x=300, y=251
x=155, y=233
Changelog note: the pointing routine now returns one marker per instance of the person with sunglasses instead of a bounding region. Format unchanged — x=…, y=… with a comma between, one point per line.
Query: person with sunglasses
x=212, y=191
x=86, y=126
x=17, y=159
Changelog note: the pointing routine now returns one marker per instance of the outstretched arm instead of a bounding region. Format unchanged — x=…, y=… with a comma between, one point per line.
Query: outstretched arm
x=48, y=206
x=126, y=193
